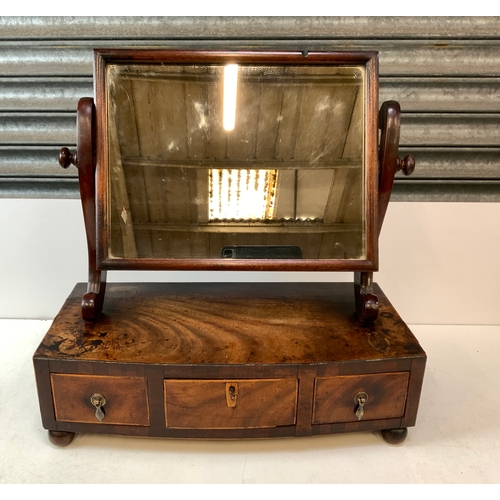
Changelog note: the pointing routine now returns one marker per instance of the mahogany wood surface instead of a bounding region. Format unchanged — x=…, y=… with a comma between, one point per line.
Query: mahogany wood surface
x=417, y=371
x=202, y=404
x=42, y=376
x=366, y=301
x=334, y=397
x=126, y=398
x=86, y=161
x=84, y=158
x=228, y=323
x=166, y=356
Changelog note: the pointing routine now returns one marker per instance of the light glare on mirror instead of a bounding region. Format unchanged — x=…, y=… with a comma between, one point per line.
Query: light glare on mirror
x=230, y=84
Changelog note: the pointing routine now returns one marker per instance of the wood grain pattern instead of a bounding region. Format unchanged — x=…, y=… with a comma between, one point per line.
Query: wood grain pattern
x=334, y=397
x=126, y=399
x=228, y=324
x=202, y=404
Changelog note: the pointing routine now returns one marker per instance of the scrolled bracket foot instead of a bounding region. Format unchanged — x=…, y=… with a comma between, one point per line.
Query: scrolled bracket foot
x=61, y=438
x=366, y=300
x=367, y=307
x=92, y=303
x=394, y=436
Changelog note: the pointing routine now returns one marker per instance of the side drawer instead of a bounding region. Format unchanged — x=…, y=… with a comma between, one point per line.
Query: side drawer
x=126, y=399
x=334, y=397
x=230, y=404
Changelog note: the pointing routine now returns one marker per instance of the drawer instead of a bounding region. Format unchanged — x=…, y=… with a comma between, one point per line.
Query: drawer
x=126, y=399
x=334, y=397
x=230, y=404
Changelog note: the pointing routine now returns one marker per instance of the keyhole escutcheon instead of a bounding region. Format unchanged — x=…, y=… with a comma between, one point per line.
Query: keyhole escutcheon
x=231, y=394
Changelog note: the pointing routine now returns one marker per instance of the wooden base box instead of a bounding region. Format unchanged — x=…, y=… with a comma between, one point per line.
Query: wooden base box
x=228, y=360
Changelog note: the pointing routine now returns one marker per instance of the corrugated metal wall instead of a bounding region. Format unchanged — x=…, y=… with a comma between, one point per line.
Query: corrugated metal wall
x=445, y=72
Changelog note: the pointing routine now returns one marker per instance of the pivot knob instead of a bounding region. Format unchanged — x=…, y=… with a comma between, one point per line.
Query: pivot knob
x=407, y=164
x=66, y=158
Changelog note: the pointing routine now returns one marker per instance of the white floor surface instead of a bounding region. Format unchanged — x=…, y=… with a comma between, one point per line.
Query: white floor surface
x=456, y=439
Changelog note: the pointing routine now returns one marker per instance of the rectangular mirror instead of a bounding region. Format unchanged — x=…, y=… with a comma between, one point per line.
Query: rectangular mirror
x=214, y=160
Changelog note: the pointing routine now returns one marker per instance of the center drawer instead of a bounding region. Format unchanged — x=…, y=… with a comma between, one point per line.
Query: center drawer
x=230, y=404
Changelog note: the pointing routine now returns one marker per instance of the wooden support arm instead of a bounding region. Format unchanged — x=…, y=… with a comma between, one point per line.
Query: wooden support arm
x=389, y=162
x=389, y=165
x=84, y=160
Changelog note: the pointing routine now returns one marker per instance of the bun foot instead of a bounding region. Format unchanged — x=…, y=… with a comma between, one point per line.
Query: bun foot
x=61, y=438
x=394, y=436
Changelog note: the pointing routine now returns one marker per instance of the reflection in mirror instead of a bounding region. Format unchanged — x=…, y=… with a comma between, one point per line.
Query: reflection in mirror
x=202, y=158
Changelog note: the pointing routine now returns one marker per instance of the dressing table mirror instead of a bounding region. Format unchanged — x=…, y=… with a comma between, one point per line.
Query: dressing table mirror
x=224, y=161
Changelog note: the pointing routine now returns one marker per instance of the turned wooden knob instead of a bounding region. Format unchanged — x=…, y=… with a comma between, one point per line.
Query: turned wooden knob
x=407, y=164
x=66, y=158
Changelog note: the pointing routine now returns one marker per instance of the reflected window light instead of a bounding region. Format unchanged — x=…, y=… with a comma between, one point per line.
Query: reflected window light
x=230, y=84
x=242, y=194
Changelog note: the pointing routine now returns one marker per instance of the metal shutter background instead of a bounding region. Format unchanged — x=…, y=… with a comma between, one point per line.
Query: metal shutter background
x=444, y=71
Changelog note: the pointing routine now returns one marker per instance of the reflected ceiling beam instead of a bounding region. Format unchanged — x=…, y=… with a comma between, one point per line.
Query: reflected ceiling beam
x=288, y=227
x=227, y=163
x=280, y=80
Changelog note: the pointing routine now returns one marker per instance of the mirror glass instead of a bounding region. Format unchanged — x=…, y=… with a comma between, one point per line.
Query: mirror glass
x=236, y=161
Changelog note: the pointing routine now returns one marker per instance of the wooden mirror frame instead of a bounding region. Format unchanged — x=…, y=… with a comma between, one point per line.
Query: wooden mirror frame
x=91, y=158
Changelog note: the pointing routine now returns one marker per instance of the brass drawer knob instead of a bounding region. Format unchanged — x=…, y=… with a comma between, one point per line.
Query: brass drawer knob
x=360, y=399
x=98, y=400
